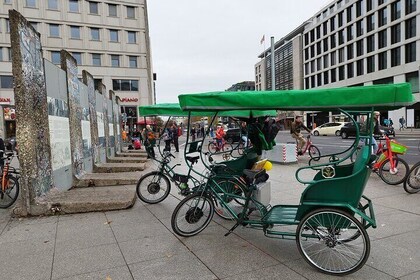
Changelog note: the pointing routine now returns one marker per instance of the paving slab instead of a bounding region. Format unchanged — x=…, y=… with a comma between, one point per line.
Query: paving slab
x=109, y=179
x=275, y=272
x=118, y=167
x=116, y=273
x=93, y=199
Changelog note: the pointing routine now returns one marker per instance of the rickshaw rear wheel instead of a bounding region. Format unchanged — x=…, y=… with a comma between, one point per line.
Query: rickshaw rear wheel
x=326, y=240
x=153, y=187
x=412, y=182
x=233, y=202
x=192, y=215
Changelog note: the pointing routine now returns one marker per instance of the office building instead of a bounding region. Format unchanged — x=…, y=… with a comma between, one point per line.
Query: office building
x=109, y=39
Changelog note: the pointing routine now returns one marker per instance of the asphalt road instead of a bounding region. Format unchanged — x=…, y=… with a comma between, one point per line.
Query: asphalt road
x=334, y=144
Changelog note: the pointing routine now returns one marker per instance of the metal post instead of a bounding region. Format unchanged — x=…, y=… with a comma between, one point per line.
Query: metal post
x=273, y=69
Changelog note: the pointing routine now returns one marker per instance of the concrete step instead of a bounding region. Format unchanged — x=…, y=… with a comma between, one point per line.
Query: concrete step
x=126, y=159
x=118, y=167
x=133, y=154
x=108, y=179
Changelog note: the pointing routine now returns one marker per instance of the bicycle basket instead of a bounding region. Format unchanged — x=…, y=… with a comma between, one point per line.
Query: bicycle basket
x=181, y=178
x=398, y=148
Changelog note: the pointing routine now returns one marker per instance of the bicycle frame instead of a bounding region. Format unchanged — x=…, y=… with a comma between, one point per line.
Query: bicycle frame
x=385, y=154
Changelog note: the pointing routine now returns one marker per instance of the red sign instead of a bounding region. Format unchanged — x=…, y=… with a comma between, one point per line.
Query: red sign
x=127, y=99
x=5, y=100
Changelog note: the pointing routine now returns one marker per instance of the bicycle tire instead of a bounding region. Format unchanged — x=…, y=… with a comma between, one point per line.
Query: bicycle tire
x=394, y=179
x=412, y=182
x=230, y=187
x=212, y=148
x=11, y=193
x=227, y=147
x=314, y=152
x=193, y=214
x=152, y=188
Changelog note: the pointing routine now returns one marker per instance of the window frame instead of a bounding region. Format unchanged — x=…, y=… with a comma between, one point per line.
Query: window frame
x=77, y=5
x=50, y=25
x=109, y=10
x=79, y=33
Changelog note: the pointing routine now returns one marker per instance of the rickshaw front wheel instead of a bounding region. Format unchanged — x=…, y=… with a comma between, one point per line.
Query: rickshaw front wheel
x=153, y=187
x=326, y=240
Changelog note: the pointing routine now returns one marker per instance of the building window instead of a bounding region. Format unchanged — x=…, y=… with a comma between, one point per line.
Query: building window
x=369, y=5
x=395, y=10
x=382, y=39
x=410, y=52
x=383, y=17
x=349, y=13
x=350, y=71
x=332, y=41
x=350, y=53
x=7, y=26
x=370, y=64
x=370, y=23
x=115, y=60
x=326, y=78
x=384, y=81
x=339, y=3
x=319, y=79
x=396, y=57
x=93, y=7
x=318, y=48
x=359, y=47
x=125, y=85
x=413, y=79
x=318, y=64
x=341, y=55
x=325, y=41
x=7, y=1
x=53, y=4
x=333, y=75
x=96, y=83
x=360, y=8
x=360, y=68
x=54, y=30
x=340, y=19
x=55, y=57
x=131, y=12
x=340, y=37
x=380, y=2
x=6, y=81
x=410, y=28
x=30, y=3
x=112, y=10
x=318, y=32
x=74, y=6
x=341, y=73
x=333, y=59
x=326, y=61
x=350, y=32
x=306, y=53
x=410, y=6
x=325, y=29
x=382, y=60
x=9, y=54
x=395, y=33
x=132, y=61
x=312, y=35
x=332, y=24
x=96, y=59
x=131, y=37
x=113, y=35
x=78, y=57
x=370, y=43
x=306, y=39
x=1, y=54
x=94, y=34
x=359, y=27
x=75, y=32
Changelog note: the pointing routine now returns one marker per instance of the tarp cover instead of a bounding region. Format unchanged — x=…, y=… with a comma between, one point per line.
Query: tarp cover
x=378, y=96
x=173, y=109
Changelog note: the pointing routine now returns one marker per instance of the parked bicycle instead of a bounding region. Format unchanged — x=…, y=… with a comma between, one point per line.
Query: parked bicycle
x=155, y=186
x=412, y=182
x=392, y=169
x=9, y=182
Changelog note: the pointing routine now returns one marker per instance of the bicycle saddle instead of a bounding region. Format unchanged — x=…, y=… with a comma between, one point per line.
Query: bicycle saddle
x=193, y=159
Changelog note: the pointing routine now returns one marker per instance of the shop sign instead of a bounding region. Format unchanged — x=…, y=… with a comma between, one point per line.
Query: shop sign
x=129, y=99
x=5, y=100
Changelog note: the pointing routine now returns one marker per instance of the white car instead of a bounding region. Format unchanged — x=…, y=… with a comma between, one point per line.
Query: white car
x=332, y=128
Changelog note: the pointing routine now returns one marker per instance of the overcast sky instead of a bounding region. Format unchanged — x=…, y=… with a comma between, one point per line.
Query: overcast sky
x=209, y=45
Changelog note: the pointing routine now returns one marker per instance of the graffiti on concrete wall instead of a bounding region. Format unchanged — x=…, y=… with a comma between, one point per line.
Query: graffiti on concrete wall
x=106, y=123
x=69, y=65
x=31, y=108
x=89, y=81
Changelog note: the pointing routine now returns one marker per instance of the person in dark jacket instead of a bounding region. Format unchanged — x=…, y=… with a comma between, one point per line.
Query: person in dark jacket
x=175, y=134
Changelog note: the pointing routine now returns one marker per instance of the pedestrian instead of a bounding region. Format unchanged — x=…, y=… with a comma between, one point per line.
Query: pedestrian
x=244, y=134
x=175, y=134
x=386, y=122
x=211, y=132
x=166, y=136
x=150, y=142
x=376, y=131
x=192, y=133
x=220, y=133
x=402, y=123
x=2, y=149
x=136, y=143
x=124, y=135
x=391, y=123
x=202, y=131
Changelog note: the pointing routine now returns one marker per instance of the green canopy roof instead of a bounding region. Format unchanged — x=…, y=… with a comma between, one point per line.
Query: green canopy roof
x=173, y=109
x=365, y=97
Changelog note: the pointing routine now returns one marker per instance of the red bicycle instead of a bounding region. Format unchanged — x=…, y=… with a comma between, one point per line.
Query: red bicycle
x=215, y=147
x=392, y=169
x=313, y=150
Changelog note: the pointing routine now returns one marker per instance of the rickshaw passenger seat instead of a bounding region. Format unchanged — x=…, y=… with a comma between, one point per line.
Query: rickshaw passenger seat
x=251, y=175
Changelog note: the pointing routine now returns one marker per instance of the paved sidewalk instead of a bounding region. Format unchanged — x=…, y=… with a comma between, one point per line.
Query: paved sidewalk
x=138, y=243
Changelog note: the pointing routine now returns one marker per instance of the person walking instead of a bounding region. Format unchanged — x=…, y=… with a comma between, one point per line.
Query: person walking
x=150, y=142
x=192, y=132
x=391, y=123
x=295, y=128
x=402, y=123
x=124, y=135
x=166, y=136
x=175, y=135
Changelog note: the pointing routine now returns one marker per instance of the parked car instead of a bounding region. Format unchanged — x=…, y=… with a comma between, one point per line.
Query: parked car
x=233, y=135
x=331, y=128
x=349, y=130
